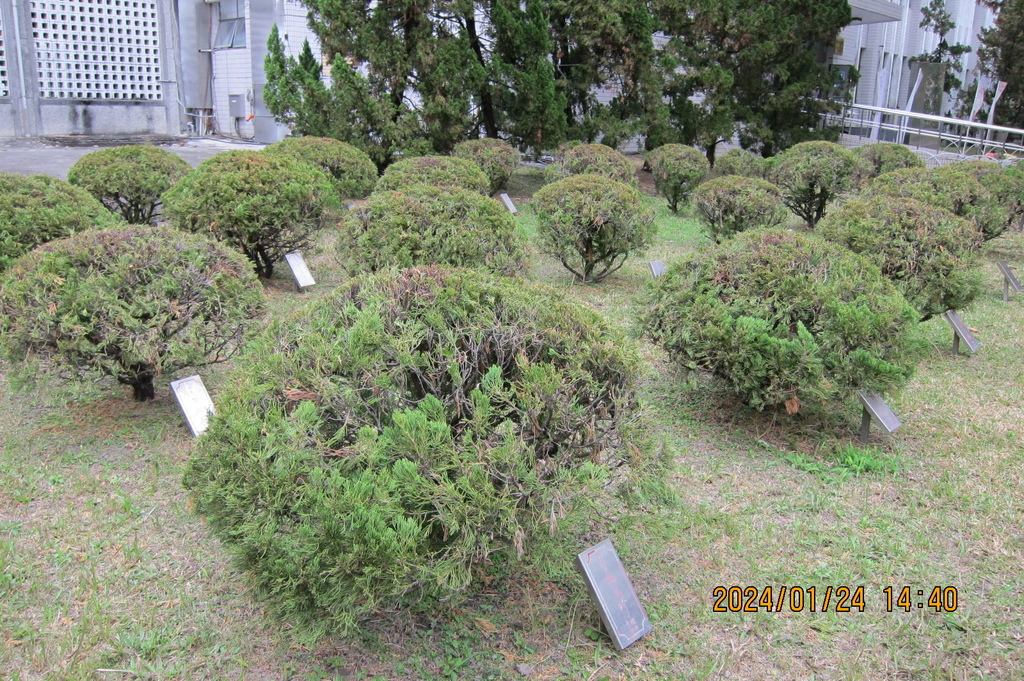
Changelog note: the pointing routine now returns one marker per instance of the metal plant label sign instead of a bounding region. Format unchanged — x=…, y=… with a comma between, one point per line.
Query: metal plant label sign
x=508, y=203
x=194, y=402
x=299, y=270
x=621, y=611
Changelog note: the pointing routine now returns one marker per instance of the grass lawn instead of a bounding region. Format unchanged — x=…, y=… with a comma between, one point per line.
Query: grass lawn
x=105, y=573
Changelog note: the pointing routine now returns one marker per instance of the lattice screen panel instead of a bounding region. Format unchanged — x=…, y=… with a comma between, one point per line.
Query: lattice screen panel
x=97, y=49
x=4, y=89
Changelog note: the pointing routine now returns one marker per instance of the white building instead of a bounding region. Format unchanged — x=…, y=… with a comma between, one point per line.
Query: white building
x=881, y=50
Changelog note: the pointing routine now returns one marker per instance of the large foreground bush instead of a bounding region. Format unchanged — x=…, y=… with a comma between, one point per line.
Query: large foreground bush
x=812, y=175
x=731, y=204
x=354, y=174
x=591, y=224
x=35, y=209
x=929, y=253
x=784, y=319
x=129, y=180
x=266, y=205
x=431, y=226
x=497, y=158
x=434, y=171
x=132, y=303
x=677, y=170
x=390, y=441
x=1005, y=184
x=953, y=190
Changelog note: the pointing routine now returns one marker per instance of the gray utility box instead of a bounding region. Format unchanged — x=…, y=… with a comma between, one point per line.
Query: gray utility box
x=236, y=106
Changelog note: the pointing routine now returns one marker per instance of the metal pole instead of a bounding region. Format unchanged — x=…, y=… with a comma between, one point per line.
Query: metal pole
x=956, y=343
x=1006, y=289
x=865, y=426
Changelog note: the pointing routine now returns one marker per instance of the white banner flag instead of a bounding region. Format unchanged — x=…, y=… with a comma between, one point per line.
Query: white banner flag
x=995, y=100
x=979, y=99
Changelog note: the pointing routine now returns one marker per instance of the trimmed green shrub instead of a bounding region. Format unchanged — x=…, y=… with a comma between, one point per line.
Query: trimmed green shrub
x=35, y=209
x=957, y=192
x=267, y=205
x=591, y=224
x=597, y=159
x=929, y=253
x=383, y=446
x=811, y=175
x=785, y=319
x=885, y=157
x=741, y=162
x=434, y=171
x=731, y=204
x=1006, y=184
x=431, y=226
x=677, y=170
x=497, y=158
x=354, y=173
x=132, y=303
x=129, y=180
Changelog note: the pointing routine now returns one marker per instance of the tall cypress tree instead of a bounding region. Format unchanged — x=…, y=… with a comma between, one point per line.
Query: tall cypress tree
x=1003, y=58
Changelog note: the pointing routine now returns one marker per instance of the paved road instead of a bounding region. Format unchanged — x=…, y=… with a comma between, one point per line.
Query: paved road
x=31, y=157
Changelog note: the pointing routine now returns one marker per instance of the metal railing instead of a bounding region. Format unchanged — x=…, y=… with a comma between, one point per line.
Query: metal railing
x=937, y=133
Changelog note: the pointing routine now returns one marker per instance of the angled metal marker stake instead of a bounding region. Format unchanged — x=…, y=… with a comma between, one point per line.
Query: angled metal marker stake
x=875, y=406
x=1009, y=280
x=961, y=333
x=508, y=203
x=657, y=268
x=194, y=402
x=620, y=609
x=299, y=271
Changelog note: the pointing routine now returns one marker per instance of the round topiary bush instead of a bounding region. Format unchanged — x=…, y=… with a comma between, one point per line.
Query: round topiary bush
x=929, y=253
x=785, y=319
x=1005, y=184
x=731, y=204
x=957, y=192
x=677, y=170
x=885, y=157
x=811, y=175
x=591, y=224
x=741, y=162
x=386, y=443
x=35, y=209
x=597, y=159
x=434, y=171
x=129, y=180
x=497, y=158
x=431, y=226
x=355, y=175
x=132, y=303
x=267, y=205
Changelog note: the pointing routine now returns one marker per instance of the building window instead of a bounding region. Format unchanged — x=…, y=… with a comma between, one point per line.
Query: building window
x=231, y=30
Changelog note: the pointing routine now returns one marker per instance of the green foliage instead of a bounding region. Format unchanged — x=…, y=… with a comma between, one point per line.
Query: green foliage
x=929, y=253
x=401, y=437
x=496, y=157
x=953, y=190
x=731, y=204
x=591, y=224
x=811, y=175
x=434, y=171
x=741, y=162
x=885, y=157
x=424, y=225
x=267, y=205
x=131, y=303
x=35, y=209
x=354, y=173
x=749, y=67
x=1004, y=183
x=677, y=170
x=784, y=319
x=597, y=159
x=940, y=22
x=129, y=180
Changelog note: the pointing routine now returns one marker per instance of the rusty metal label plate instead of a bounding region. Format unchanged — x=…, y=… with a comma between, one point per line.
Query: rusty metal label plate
x=621, y=611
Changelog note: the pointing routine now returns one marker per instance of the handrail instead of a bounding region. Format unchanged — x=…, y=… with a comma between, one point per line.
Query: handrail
x=927, y=130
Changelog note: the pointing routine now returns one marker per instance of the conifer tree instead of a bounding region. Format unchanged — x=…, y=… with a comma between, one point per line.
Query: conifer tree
x=1002, y=57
